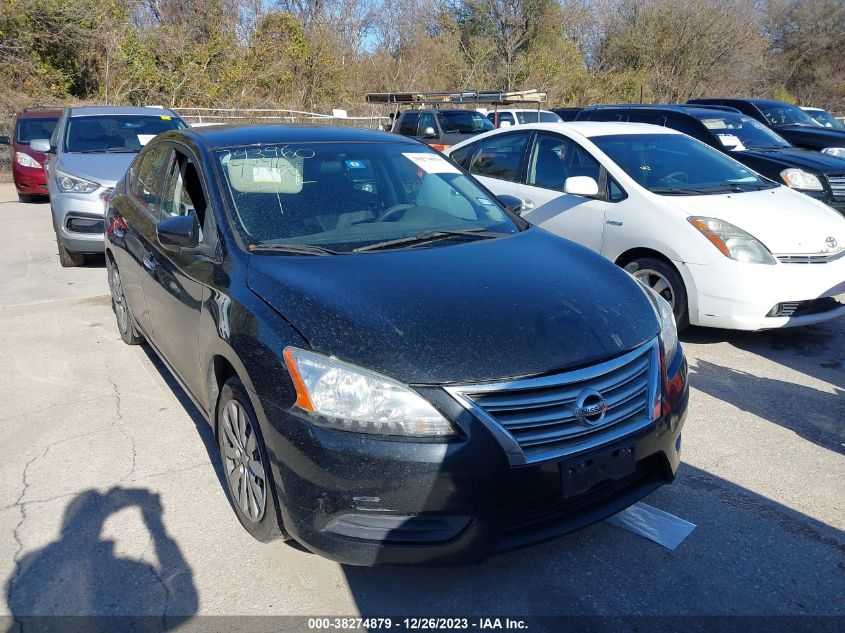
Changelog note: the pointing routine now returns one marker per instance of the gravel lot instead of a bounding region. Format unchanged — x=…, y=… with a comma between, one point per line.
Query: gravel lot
x=109, y=503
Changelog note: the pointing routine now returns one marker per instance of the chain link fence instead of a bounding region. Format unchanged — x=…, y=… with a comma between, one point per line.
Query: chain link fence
x=269, y=116
x=5, y=151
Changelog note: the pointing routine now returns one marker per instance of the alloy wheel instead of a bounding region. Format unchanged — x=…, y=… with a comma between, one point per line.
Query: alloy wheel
x=119, y=301
x=657, y=282
x=242, y=460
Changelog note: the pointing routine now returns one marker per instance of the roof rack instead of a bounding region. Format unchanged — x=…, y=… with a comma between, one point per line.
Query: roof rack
x=491, y=97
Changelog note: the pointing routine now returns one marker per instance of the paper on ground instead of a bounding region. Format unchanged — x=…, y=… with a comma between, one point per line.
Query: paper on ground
x=654, y=524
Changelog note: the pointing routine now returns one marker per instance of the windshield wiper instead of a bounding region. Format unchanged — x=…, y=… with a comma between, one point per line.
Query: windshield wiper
x=430, y=236
x=296, y=249
x=725, y=187
x=110, y=150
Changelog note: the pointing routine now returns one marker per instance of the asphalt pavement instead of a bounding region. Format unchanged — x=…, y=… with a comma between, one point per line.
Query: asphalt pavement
x=110, y=504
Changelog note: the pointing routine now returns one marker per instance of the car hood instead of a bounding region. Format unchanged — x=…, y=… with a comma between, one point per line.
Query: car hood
x=785, y=221
x=796, y=157
x=526, y=304
x=821, y=136
x=105, y=169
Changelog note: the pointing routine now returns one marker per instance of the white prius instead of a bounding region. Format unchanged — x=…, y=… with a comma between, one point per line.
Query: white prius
x=723, y=245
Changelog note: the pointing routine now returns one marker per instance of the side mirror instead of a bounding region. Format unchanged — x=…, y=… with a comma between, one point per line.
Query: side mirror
x=512, y=203
x=429, y=132
x=41, y=145
x=504, y=123
x=178, y=232
x=581, y=186
x=5, y=140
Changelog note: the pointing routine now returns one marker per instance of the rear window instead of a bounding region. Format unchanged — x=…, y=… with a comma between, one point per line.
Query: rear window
x=30, y=129
x=116, y=133
x=463, y=122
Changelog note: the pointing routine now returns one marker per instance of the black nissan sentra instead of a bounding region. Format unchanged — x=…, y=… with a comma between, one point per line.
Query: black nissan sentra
x=397, y=367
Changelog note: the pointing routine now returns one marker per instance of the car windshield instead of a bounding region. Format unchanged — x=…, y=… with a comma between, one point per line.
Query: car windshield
x=826, y=119
x=118, y=133
x=29, y=129
x=463, y=122
x=346, y=196
x=742, y=132
x=674, y=164
x=786, y=114
x=533, y=116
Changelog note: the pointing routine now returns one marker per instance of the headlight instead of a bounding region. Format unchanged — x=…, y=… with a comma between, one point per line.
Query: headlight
x=25, y=160
x=68, y=183
x=800, y=179
x=834, y=151
x=349, y=398
x=732, y=242
x=668, y=328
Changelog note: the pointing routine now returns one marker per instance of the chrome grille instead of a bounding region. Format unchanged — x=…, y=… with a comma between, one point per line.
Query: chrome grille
x=815, y=258
x=837, y=185
x=535, y=418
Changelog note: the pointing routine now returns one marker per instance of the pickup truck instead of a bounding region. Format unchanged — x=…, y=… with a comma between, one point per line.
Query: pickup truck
x=441, y=128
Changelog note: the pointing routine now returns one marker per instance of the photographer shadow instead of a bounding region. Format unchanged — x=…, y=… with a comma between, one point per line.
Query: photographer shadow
x=81, y=579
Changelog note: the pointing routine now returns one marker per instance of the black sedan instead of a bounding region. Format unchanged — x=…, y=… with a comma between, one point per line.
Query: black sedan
x=790, y=121
x=398, y=368
x=744, y=139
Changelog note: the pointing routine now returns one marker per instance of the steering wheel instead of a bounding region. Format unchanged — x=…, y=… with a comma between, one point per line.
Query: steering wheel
x=680, y=176
x=394, y=210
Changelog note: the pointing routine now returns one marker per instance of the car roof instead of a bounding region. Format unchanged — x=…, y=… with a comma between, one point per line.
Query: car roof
x=756, y=102
x=812, y=109
x=598, y=128
x=241, y=135
x=38, y=113
x=520, y=110
x=119, y=110
x=693, y=110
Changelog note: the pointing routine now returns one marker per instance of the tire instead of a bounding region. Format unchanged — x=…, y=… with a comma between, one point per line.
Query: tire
x=666, y=281
x=68, y=259
x=25, y=197
x=242, y=451
x=125, y=323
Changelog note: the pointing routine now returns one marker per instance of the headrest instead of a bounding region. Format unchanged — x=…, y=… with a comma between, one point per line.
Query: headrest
x=264, y=175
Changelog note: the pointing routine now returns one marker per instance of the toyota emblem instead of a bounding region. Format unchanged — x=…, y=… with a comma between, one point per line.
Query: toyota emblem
x=831, y=242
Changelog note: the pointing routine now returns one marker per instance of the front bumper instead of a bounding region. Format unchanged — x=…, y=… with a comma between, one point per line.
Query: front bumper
x=78, y=219
x=730, y=294
x=29, y=180
x=366, y=501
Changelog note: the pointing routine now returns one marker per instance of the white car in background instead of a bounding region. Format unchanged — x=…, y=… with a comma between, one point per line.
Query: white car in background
x=824, y=118
x=520, y=116
x=724, y=246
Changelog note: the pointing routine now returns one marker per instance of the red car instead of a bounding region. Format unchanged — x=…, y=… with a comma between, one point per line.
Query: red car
x=27, y=165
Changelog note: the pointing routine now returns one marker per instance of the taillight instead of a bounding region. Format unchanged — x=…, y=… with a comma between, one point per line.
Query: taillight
x=117, y=227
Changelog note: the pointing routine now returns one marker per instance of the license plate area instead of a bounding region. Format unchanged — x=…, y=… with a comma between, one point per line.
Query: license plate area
x=610, y=463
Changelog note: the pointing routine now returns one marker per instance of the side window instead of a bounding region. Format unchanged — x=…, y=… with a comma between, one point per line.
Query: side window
x=426, y=121
x=615, y=193
x=146, y=174
x=462, y=155
x=408, y=126
x=555, y=158
x=183, y=194
x=500, y=156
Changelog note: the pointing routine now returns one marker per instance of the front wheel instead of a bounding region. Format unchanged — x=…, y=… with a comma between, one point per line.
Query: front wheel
x=246, y=465
x=68, y=259
x=128, y=333
x=25, y=197
x=665, y=281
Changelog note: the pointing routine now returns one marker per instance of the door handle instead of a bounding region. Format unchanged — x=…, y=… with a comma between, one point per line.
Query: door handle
x=150, y=262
